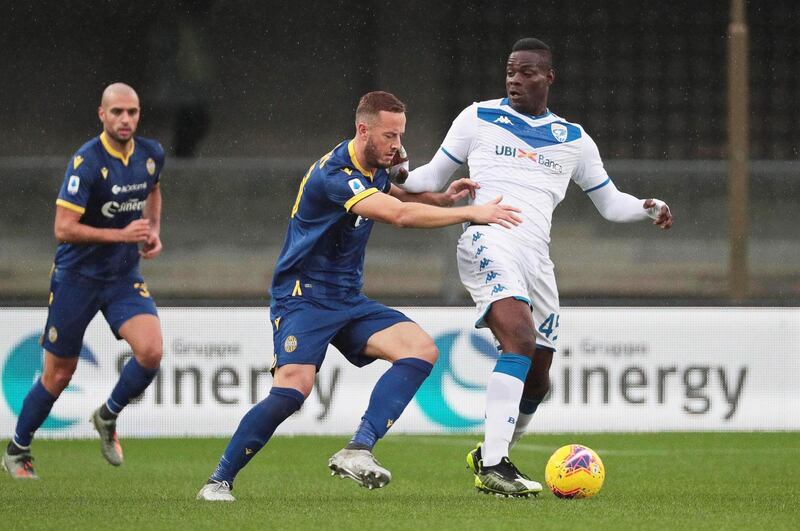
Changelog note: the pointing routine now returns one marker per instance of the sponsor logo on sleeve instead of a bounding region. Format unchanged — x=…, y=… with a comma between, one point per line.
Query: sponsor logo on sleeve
x=356, y=186
x=73, y=185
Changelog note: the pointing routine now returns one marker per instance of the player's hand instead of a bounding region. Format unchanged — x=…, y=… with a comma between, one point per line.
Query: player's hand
x=495, y=212
x=136, y=231
x=460, y=189
x=660, y=212
x=398, y=171
x=152, y=247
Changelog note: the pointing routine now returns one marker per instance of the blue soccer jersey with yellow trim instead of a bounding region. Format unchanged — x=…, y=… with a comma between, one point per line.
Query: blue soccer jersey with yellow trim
x=323, y=255
x=109, y=190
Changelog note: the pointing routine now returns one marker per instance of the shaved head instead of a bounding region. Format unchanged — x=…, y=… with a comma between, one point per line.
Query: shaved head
x=119, y=113
x=117, y=89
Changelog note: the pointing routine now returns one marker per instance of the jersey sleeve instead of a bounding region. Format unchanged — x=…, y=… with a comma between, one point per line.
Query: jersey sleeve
x=160, y=158
x=458, y=143
x=346, y=188
x=590, y=174
x=77, y=186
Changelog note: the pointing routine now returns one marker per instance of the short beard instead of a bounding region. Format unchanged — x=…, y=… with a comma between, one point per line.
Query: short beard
x=372, y=156
x=118, y=139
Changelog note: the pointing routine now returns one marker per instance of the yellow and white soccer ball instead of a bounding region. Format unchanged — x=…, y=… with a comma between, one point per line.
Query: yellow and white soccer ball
x=574, y=471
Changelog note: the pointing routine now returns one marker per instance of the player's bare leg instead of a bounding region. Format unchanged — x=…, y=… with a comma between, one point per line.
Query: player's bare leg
x=412, y=353
x=143, y=334
x=512, y=325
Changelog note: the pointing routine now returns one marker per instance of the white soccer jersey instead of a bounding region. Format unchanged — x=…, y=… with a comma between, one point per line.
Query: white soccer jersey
x=529, y=160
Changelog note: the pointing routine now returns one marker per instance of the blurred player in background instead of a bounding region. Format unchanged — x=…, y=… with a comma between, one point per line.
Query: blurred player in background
x=109, y=203
x=516, y=147
x=317, y=299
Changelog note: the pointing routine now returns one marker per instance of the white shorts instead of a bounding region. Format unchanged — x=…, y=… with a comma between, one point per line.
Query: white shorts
x=494, y=266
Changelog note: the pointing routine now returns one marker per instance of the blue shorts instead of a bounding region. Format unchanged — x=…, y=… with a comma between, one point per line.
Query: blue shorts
x=76, y=299
x=302, y=328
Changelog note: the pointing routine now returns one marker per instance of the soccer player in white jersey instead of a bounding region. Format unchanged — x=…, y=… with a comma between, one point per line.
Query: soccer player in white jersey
x=517, y=148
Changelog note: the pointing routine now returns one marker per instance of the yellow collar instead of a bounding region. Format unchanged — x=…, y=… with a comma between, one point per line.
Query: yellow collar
x=351, y=149
x=124, y=157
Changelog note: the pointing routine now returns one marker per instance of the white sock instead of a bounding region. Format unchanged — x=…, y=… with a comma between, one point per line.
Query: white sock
x=520, y=428
x=502, y=409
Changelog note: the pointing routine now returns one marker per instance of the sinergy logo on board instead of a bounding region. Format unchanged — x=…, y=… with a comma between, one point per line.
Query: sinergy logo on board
x=21, y=369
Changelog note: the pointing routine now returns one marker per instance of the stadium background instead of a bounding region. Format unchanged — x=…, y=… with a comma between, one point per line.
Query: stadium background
x=245, y=95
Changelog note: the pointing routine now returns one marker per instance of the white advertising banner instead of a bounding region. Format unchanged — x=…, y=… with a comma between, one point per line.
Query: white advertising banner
x=617, y=369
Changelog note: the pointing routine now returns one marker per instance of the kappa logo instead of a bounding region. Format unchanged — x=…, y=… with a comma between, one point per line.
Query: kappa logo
x=480, y=250
x=356, y=186
x=505, y=120
x=498, y=288
x=559, y=131
x=476, y=236
x=484, y=263
x=491, y=275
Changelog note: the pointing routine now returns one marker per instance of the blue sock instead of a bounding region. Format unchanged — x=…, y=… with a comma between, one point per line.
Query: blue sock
x=255, y=429
x=35, y=408
x=389, y=398
x=132, y=382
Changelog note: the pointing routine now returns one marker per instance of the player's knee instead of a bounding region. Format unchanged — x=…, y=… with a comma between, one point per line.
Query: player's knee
x=427, y=350
x=56, y=380
x=150, y=356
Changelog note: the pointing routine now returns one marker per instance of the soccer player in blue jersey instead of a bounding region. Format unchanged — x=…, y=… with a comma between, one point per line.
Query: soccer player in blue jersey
x=317, y=299
x=109, y=204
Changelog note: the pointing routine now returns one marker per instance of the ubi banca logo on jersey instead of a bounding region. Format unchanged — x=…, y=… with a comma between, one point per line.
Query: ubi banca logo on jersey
x=111, y=208
x=538, y=158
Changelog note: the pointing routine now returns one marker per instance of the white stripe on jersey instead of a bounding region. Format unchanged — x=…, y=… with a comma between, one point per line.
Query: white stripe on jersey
x=529, y=160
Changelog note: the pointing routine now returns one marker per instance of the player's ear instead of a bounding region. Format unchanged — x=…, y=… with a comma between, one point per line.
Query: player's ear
x=361, y=129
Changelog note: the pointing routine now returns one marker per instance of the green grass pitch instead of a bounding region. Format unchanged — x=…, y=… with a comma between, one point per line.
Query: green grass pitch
x=654, y=481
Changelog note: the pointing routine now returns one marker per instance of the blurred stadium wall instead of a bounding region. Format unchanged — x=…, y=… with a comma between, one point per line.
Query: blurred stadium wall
x=256, y=91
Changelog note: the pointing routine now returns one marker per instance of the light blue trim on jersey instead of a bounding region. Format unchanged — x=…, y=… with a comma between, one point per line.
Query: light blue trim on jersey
x=514, y=365
x=535, y=137
x=592, y=189
x=480, y=323
x=547, y=112
x=451, y=156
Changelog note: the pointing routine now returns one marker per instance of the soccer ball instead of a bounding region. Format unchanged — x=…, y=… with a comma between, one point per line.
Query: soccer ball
x=574, y=471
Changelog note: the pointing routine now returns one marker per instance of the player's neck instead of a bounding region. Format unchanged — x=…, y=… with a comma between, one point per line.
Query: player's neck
x=116, y=145
x=361, y=157
x=532, y=110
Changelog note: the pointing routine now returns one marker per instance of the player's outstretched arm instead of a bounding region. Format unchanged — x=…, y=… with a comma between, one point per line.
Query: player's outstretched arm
x=152, y=212
x=387, y=209
x=458, y=190
x=624, y=208
x=69, y=229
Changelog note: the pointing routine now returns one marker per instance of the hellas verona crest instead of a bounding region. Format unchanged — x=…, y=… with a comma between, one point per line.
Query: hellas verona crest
x=559, y=132
x=151, y=166
x=290, y=344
